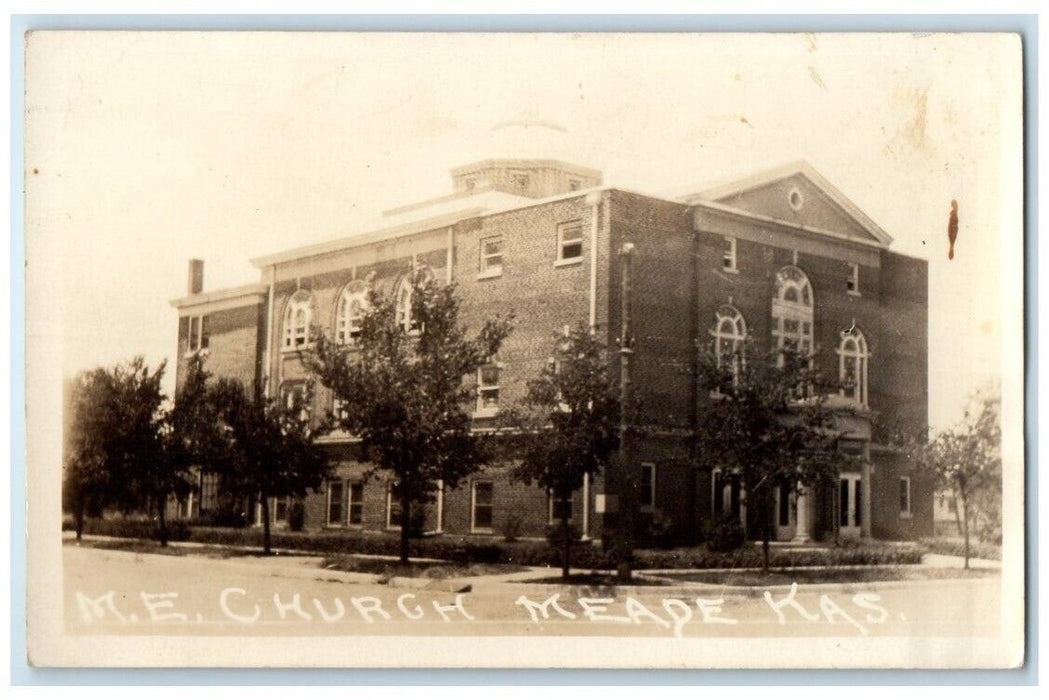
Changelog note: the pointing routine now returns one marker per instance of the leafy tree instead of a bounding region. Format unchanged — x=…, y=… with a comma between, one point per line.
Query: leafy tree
x=401, y=384
x=114, y=442
x=189, y=437
x=569, y=424
x=269, y=449
x=766, y=424
x=967, y=461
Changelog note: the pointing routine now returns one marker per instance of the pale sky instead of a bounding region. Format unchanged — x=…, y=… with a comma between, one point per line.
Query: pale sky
x=145, y=150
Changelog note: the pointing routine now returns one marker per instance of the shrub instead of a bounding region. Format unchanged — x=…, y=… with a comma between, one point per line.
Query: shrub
x=223, y=516
x=727, y=535
x=141, y=529
x=296, y=517
x=555, y=534
x=659, y=530
x=512, y=528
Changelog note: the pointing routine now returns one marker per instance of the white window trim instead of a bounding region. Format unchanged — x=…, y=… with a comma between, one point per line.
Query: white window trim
x=404, y=295
x=327, y=506
x=344, y=316
x=349, y=503
x=732, y=255
x=389, y=507
x=908, y=513
x=649, y=507
x=288, y=334
x=473, y=507
x=854, y=277
x=485, y=271
x=861, y=355
x=489, y=411
x=561, y=228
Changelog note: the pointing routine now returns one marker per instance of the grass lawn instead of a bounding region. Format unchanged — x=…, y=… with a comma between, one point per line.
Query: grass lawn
x=831, y=575
x=389, y=569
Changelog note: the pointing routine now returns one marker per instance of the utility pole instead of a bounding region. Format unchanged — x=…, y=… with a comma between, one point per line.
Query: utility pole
x=627, y=481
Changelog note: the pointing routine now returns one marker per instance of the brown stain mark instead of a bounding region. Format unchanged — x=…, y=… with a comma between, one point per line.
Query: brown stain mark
x=36, y=171
x=816, y=77
x=744, y=120
x=952, y=228
x=986, y=327
x=811, y=38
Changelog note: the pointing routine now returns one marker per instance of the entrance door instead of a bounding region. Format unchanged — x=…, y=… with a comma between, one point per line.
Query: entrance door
x=785, y=513
x=850, y=514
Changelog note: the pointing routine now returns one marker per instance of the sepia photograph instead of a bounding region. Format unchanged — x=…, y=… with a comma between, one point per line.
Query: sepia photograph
x=374, y=350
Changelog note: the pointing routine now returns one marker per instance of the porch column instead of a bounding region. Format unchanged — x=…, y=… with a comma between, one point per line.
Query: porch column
x=865, y=492
x=802, y=532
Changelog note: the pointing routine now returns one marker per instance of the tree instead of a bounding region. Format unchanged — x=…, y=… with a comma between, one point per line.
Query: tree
x=189, y=436
x=269, y=448
x=766, y=424
x=114, y=441
x=569, y=426
x=967, y=461
x=402, y=389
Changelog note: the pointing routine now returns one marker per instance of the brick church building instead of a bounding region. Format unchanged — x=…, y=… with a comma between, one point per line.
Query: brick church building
x=780, y=257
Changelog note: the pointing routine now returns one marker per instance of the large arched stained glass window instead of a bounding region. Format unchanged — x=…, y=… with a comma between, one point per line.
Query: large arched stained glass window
x=405, y=291
x=792, y=316
x=730, y=330
x=297, y=318
x=853, y=357
x=353, y=302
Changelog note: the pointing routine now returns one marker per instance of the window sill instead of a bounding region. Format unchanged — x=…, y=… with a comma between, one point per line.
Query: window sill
x=490, y=274
x=853, y=293
x=486, y=413
x=565, y=262
x=297, y=348
x=482, y=531
x=731, y=270
x=906, y=516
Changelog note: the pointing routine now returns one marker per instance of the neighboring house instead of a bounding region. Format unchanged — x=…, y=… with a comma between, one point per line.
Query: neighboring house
x=781, y=257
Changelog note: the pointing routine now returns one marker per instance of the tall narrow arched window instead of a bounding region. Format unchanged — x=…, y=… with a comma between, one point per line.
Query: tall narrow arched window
x=792, y=310
x=353, y=302
x=297, y=318
x=853, y=357
x=729, y=332
x=405, y=291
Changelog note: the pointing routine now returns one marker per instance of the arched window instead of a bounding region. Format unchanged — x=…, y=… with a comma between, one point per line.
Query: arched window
x=405, y=290
x=297, y=319
x=852, y=362
x=353, y=302
x=792, y=310
x=729, y=332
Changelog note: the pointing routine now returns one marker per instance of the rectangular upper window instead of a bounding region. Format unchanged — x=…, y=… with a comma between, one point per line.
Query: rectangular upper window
x=648, y=486
x=570, y=242
x=852, y=284
x=481, y=511
x=491, y=262
x=488, y=389
x=905, y=496
x=356, y=507
x=728, y=255
x=198, y=333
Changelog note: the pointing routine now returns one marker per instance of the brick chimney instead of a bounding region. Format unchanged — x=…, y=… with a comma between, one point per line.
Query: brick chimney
x=196, y=276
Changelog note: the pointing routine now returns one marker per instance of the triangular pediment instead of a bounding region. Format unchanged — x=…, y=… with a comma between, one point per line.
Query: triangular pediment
x=797, y=194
